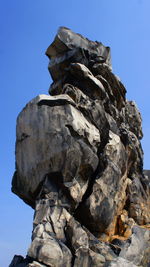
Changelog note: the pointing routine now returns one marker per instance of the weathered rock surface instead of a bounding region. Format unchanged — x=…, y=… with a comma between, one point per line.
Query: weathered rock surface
x=54, y=138
x=69, y=47
x=79, y=164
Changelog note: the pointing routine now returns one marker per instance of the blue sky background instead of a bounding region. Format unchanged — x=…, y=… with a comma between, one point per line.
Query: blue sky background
x=27, y=27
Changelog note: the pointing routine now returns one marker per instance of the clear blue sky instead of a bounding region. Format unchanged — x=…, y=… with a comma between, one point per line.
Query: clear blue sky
x=27, y=27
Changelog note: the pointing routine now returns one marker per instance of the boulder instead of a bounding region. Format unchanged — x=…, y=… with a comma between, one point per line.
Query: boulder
x=54, y=139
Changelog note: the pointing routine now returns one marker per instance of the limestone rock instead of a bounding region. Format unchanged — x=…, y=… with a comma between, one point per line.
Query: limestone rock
x=71, y=47
x=103, y=203
x=134, y=251
x=55, y=140
x=54, y=230
x=79, y=164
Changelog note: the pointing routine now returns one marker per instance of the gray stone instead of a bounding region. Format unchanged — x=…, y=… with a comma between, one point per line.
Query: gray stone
x=50, y=252
x=104, y=202
x=55, y=140
x=120, y=262
x=87, y=80
x=146, y=180
x=71, y=47
x=135, y=250
x=79, y=164
x=133, y=118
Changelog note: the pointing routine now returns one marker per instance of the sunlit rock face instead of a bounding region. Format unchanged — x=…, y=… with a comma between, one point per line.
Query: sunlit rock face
x=55, y=139
x=79, y=164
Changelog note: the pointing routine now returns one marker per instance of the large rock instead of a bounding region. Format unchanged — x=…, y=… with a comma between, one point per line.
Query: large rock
x=79, y=164
x=55, y=139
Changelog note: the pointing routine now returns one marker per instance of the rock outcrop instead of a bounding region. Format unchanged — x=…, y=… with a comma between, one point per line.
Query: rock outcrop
x=79, y=164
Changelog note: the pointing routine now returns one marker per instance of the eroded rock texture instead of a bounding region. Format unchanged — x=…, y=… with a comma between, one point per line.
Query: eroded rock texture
x=79, y=164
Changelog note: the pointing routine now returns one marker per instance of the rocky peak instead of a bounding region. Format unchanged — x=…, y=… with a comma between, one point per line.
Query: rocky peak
x=79, y=164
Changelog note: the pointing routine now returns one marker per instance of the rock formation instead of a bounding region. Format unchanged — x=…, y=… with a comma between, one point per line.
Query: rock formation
x=79, y=164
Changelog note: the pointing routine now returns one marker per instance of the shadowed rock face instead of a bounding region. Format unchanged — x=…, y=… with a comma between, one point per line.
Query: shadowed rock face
x=79, y=164
x=69, y=47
